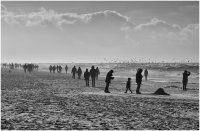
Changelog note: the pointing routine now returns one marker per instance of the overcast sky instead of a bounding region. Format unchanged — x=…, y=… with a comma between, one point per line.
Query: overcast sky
x=92, y=31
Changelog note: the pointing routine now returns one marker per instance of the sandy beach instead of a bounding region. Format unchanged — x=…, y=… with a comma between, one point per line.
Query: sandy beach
x=44, y=101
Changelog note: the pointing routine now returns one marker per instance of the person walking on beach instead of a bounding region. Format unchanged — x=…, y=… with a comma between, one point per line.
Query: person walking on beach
x=87, y=77
x=93, y=74
x=138, y=80
x=109, y=77
x=60, y=69
x=185, y=79
x=25, y=67
x=79, y=72
x=73, y=72
x=97, y=73
x=145, y=74
x=128, y=86
x=57, y=68
x=66, y=68
x=50, y=68
x=54, y=69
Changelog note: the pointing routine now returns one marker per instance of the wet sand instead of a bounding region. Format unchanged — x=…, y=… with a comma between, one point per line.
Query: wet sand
x=41, y=100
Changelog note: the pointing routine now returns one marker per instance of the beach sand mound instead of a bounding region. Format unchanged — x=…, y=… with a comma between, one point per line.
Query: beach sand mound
x=160, y=91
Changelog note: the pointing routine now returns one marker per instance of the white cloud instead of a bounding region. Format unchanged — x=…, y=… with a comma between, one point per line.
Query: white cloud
x=43, y=17
x=158, y=32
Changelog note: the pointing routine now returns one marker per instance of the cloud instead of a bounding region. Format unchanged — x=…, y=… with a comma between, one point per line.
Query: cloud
x=158, y=33
x=45, y=17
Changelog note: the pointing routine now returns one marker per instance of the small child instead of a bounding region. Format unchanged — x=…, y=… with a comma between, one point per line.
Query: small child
x=128, y=85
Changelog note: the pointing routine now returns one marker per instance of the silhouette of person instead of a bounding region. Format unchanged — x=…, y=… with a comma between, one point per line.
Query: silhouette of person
x=138, y=80
x=97, y=73
x=128, y=86
x=60, y=69
x=109, y=77
x=145, y=74
x=25, y=67
x=79, y=72
x=185, y=79
x=54, y=69
x=57, y=68
x=73, y=72
x=50, y=68
x=93, y=74
x=87, y=77
x=66, y=68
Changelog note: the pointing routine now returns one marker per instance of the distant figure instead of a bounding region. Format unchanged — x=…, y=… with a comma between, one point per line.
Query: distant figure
x=54, y=69
x=25, y=67
x=185, y=79
x=50, y=68
x=138, y=80
x=145, y=74
x=73, y=72
x=79, y=72
x=128, y=86
x=93, y=74
x=109, y=77
x=59, y=69
x=66, y=68
x=97, y=73
x=87, y=77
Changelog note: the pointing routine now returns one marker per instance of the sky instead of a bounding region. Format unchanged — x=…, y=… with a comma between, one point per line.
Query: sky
x=99, y=31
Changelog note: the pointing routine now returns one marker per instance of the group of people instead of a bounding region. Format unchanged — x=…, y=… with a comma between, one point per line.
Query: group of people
x=109, y=77
x=93, y=73
x=78, y=71
x=11, y=65
x=139, y=77
x=57, y=68
x=30, y=67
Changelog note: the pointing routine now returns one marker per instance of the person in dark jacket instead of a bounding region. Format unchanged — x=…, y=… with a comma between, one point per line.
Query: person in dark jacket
x=185, y=79
x=73, y=72
x=128, y=86
x=50, y=68
x=138, y=80
x=54, y=69
x=109, y=77
x=93, y=74
x=87, y=77
x=79, y=72
x=66, y=68
x=97, y=73
x=145, y=74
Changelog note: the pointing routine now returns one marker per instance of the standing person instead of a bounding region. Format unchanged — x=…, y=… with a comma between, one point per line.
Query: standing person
x=54, y=69
x=25, y=67
x=60, y=68
x=185, y=79
x=109, y=77
x=87, y=77
x=97, y=73
x=138, y=80
x=57, y=68
x=145, y=74
x=73, y=72
x=66, y=68
x=50, y=68
x=93, y=74
x=128, y=86
x=79, y=72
